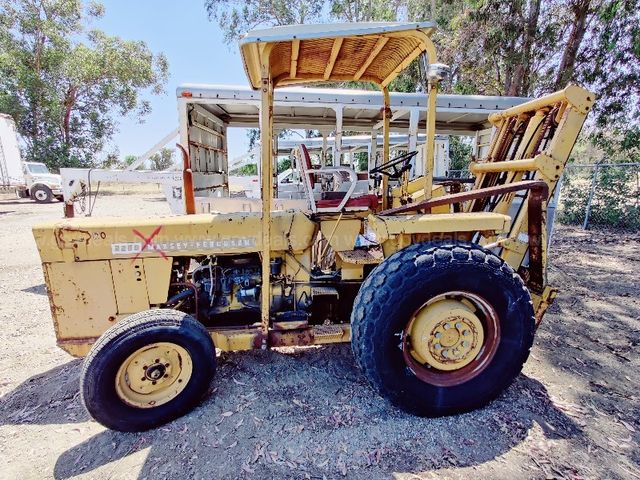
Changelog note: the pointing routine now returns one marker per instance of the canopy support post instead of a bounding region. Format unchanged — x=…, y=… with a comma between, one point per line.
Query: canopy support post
x=323, y=156
x=373, y=149
x=337, y=141
x=266, y=161
x=429, y=146
x=412, y=145
x=386, y=116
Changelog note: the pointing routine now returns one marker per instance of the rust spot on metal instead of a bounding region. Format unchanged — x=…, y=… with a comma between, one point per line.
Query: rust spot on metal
x=69, y=211
x=466, y=196
x=52, y=305
x=83, y=237
x=187, y=179
x=259, y=340
x=291, y=338
x=492, y=335
x=535, y=227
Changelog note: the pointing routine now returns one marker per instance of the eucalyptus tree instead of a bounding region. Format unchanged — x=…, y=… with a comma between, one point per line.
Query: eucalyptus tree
x=66, y=84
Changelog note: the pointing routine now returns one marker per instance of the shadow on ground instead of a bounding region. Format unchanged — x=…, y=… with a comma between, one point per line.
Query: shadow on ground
x=290, y=414
x=36, y=289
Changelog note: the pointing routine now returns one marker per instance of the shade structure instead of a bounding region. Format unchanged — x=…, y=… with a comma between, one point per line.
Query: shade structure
x=371, y=52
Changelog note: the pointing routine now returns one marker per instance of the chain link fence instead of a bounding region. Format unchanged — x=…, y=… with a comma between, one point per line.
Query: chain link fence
x=605, y=195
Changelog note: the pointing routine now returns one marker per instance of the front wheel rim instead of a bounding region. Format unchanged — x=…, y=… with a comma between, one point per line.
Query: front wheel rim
x=451, y=338
x=154, y=375
x=41, y=195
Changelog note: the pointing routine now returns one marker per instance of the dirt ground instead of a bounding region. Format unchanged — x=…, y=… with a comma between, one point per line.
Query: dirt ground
x=308, y=413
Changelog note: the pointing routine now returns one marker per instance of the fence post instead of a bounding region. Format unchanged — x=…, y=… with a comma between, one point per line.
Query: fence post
x=551, y=209
x=594, y=180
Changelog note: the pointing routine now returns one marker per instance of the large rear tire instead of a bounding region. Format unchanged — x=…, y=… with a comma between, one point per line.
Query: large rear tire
x=440, y=329
x=147, y=370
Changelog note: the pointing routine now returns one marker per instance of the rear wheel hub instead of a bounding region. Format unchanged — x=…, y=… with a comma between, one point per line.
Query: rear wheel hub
x=451, y=338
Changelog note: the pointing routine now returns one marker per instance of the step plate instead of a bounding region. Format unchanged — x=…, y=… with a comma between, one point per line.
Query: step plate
x=361, y=257
x=332, y=333
x=324, y=292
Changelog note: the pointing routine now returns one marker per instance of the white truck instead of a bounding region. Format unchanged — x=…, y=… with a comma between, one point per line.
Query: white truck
x=25, y=179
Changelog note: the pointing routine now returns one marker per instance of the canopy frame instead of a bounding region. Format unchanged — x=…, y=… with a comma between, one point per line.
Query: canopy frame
x=296, y=55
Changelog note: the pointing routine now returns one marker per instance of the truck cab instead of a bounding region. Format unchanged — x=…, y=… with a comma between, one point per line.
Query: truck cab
x=41, y=185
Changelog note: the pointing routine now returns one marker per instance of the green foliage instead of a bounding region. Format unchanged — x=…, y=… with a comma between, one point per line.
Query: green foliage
x=616, y=199
x=506, y=47
x=128, y=160
x=238, y=16
x=110, y=161
x=495, y=47
x=459, y=153
x=250, y=169
x=284, y=164
x=361, y=161
x=162, y=160
x=64, y=84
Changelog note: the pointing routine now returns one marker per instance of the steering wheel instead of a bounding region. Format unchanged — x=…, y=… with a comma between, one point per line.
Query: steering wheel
x=396, y=167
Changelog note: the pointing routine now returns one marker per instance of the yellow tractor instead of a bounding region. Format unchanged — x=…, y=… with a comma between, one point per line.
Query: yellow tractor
x=438, y=288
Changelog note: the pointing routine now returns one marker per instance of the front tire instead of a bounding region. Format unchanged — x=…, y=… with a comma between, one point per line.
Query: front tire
x=440, y=329
x=41, y=194
x=150, y=368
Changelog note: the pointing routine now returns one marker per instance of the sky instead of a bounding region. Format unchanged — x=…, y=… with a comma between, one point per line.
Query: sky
x=196, y=53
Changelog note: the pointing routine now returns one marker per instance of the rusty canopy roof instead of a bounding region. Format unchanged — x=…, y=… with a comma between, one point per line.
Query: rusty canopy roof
x=371, y=52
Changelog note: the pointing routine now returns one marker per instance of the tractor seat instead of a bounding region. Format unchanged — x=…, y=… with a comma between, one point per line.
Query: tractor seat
x=332, y=202
x=364, y=201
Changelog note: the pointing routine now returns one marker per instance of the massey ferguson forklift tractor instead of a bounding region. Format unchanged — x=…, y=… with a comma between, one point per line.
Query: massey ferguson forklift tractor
x=438, y=288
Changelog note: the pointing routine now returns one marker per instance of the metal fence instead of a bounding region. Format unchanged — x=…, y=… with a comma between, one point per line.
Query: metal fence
x=601, y=195
x=605, y=195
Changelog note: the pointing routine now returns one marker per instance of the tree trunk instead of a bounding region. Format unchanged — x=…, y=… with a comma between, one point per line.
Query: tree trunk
x=35, y=101
x=580, y=10
x=69, y=103
x=522, y=76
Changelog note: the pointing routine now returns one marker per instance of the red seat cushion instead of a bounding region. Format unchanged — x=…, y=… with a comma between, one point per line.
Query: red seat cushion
x=369, y=201
x=307, y=163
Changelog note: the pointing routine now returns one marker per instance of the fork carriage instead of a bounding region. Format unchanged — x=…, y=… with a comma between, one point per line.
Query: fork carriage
x=438, y=288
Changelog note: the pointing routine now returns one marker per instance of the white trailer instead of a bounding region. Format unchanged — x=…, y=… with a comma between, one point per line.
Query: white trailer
x=11, y=175
x=25, y=179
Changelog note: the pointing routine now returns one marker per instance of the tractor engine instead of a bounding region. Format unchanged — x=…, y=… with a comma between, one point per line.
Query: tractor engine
x=227, y=283
x=225, y=290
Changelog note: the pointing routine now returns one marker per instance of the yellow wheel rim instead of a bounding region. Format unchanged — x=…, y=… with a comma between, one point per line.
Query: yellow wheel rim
x=153, y=375
x=446, y=334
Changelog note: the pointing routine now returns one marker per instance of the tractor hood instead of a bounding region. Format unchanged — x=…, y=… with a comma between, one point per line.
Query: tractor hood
x=81, y=239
